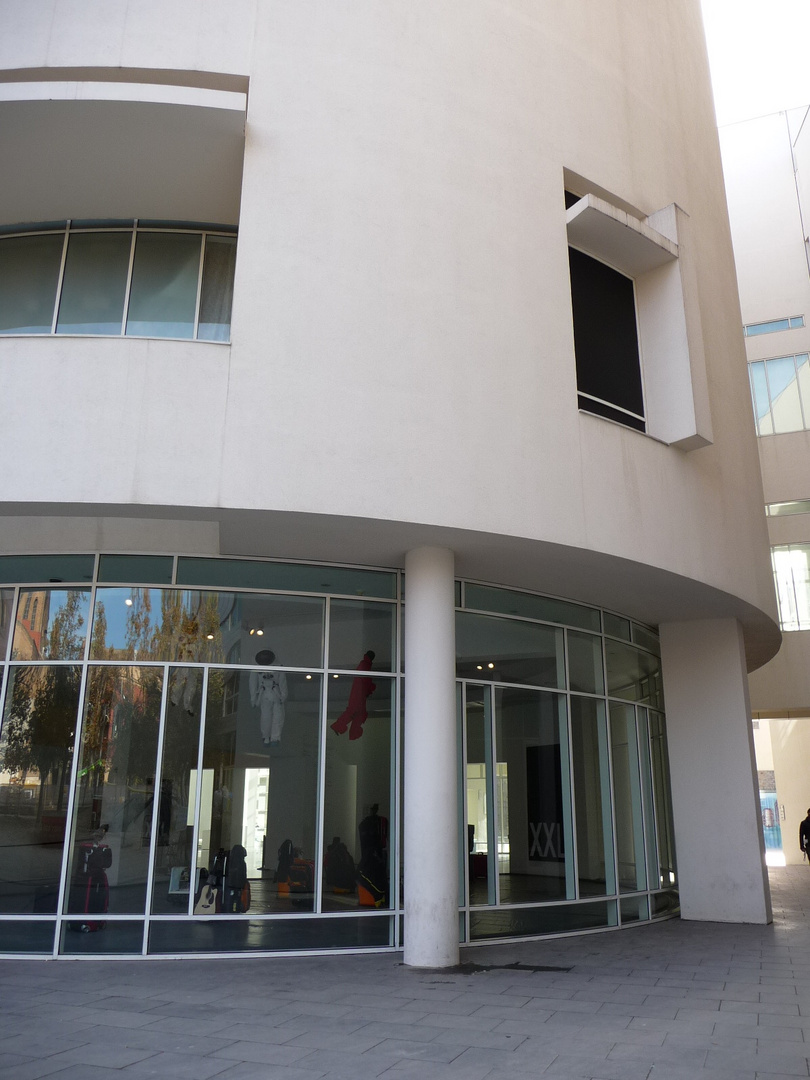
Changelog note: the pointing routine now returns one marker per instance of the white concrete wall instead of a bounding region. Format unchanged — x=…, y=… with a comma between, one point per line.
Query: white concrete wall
x=720, y=848
x=402, y=346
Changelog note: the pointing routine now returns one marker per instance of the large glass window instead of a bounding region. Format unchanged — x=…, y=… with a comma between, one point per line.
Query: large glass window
x=662, y=792
x=176, y=794
x=170, y=283
x=217, y=289
x=95, y=283
x=535, y=838
x=589, y=753
x=187, y=626
x=357, y=795
x=233, y=786
x=36, y=753
x=482, y=848
x=259, y=791
x=791, y=572
x=51, y=624
x=780, y=389
x=114, y=803
x=163, y=297
x=509, y=651
x=632, y=674
x=627, y=798
x=29, y=274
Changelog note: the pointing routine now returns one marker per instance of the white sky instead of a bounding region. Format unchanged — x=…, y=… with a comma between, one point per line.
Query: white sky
x=758, y=50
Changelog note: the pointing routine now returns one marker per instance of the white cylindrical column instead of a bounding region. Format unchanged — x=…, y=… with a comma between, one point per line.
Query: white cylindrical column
x=430, y=792
x=718, y=831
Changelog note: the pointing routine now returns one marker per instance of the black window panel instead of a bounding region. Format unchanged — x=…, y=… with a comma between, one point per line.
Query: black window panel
x=605, y=335
x=598, y=408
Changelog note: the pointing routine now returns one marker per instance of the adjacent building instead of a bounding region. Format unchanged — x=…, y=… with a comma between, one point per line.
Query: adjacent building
x=383, y=547
x=767, y=170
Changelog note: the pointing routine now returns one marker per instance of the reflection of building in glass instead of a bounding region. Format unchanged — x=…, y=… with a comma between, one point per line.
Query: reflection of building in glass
x=486, y=435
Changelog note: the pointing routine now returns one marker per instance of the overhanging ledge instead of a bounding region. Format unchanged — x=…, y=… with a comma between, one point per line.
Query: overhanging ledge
x=617, y=238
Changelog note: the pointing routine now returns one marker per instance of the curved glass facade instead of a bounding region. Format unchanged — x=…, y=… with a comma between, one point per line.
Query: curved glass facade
x=203, y=755
x=137, y=279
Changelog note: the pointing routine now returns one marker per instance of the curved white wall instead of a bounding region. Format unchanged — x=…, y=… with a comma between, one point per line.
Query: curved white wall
x=402, y=349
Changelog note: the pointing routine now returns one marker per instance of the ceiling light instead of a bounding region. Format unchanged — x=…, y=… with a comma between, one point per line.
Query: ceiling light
x=128, y=601
x=490, y=666
x=260, y=633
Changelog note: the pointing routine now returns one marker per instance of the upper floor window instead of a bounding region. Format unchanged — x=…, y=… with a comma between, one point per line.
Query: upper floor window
x=798, y=506
x=137, y=280
x=780, y=389
x=791, y=571
x=603, y=303
x=791, y=323
x=606, y=341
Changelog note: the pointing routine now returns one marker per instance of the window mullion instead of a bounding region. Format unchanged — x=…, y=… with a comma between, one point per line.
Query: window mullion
x=60, y=279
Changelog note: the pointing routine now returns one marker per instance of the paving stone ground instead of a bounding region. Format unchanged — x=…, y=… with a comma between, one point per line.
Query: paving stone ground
x=670, y=1001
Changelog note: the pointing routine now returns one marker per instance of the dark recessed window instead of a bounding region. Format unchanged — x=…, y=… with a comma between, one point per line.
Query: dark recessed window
x=606, y=341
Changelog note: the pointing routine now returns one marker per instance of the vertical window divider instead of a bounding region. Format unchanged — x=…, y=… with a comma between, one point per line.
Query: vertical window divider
x=609, y=837
x=462, y=798
x=153, y=832
x=203, y=245
x=88, y=637
x=321, y=798
x=799, y=391
x=647, y=796
x=566, y=777
x=493, y=816
x=71, y=810
x=395, y=833
x=572, y=778
x=195, y=839
x=61, y=278
x=128, y=290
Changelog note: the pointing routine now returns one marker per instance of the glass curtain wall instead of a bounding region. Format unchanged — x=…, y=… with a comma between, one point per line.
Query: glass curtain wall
x=136, y=279
x=211, y=766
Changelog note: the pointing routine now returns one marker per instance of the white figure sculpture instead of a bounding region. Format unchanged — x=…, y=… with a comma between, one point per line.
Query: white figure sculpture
x=268, y=692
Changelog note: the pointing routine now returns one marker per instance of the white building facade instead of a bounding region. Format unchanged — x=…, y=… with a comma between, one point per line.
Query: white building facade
x=766, y=162
x=382, y=525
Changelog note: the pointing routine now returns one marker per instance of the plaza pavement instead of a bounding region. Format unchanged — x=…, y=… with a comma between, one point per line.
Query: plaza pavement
x=670, y=1001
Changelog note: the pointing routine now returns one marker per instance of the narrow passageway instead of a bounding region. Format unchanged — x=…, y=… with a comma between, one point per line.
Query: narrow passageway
x=667, y=1001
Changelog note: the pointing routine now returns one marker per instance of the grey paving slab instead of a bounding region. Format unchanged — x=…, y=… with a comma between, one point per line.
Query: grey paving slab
x=177, y=1066
x=664, y=997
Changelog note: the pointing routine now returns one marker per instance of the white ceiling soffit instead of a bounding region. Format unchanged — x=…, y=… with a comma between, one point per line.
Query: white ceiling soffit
x=617, y=238
x=121, y=150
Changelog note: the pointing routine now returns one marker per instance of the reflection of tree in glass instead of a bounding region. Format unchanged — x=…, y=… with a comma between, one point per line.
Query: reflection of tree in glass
x=140, y=631
x=187, y=629
x=64, y=639
x=39, y=728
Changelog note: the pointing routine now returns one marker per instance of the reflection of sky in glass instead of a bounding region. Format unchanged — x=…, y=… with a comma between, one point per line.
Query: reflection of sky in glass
x=777, y=393
x=781, y=373
x=760, y=390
